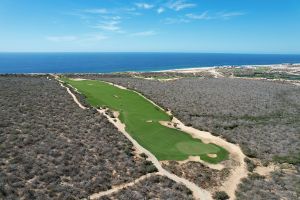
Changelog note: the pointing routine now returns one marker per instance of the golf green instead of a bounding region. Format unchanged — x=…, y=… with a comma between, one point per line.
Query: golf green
x=141, y=119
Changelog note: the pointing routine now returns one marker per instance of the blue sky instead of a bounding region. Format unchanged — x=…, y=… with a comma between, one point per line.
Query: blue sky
x=236, y=26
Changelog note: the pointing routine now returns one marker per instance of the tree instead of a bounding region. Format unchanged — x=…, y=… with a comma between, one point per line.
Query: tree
x=221, y=195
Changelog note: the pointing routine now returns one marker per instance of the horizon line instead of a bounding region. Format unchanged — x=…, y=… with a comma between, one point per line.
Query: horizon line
x=141, y=52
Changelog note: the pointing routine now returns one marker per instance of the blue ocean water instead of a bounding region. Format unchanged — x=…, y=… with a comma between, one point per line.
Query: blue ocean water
x=120, y=62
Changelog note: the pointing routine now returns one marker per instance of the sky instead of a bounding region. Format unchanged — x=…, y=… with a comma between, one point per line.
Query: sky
x=214, y=26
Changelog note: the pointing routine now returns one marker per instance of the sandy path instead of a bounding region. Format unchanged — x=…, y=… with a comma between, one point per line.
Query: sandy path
x=120, y=187
x=216, y=74
x=73, y=96
x=198, y=192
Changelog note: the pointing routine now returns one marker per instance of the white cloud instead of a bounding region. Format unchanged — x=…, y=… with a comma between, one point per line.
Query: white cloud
x=144, y=5
x=78, y=14
x=96, y=11
x=229, y=15
x=160, y=10
x=129, y=11
x=203, y=15
x=180, y=5
x=144, y=33
x=220, y=15
x=84, y=38
x=179, y=20
x=95, y=37
x=115, y=18
x=109, y=25
x=66, y=38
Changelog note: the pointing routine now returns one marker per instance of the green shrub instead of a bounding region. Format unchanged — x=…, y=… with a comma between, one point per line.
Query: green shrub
x=143, y=155
x=291, y=159
x=221, y=195
x=250, y=164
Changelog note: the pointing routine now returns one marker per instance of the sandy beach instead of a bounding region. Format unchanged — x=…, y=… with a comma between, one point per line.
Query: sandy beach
x=200, y=69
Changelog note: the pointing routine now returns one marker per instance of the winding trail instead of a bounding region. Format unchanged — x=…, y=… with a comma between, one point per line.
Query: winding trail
x=73, y=96
x=216, y=74
x=230, y=185
x=120, y=187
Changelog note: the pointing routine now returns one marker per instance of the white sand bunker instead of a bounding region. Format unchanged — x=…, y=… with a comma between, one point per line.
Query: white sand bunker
x=78, y=79
x=212, y=155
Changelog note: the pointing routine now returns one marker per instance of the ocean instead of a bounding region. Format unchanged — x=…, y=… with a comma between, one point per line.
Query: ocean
x=122, y=62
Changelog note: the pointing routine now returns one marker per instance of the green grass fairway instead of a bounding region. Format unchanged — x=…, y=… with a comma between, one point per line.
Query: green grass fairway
x=165, y=143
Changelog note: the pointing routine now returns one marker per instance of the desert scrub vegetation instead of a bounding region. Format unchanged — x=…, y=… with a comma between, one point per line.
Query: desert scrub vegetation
x=52, y=149
x=153, y=75
x=220, y=195
x=281, y=185
x=198, y=173
x=170, y=75
x=262, y=117
x=261, y=72
x=154, y=187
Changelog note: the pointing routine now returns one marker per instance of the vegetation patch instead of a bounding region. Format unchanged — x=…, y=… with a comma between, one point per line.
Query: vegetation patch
x=154, y=187
x=293, y=158
x=198, y=173
x=165, y=143
x=52, y=149
x=260, y=72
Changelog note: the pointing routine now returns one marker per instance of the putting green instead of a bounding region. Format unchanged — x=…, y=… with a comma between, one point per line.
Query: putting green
x=142, y=118
x=192, y=147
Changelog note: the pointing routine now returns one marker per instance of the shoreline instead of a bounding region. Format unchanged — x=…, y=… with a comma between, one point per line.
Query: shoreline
x=186, y=69
x=193, y=69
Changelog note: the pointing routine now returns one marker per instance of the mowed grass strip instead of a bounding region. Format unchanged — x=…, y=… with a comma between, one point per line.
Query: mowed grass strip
x=142, y=118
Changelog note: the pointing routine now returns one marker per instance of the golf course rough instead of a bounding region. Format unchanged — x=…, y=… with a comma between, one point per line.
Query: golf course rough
x=141, y=119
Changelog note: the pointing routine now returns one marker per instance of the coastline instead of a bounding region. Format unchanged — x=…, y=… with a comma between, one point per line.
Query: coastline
x=179, y=70
x=133, y=62
x=198, y=69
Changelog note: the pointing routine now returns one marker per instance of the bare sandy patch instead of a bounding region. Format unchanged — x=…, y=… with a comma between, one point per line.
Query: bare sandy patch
x=265, y=171
x=78, y=79
x=211, y=155
x=118, y=86
x=189, y=70
x=216, y=73
x=198, y=159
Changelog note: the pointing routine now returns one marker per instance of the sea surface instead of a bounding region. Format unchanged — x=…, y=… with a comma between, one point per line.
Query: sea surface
x=121, y=62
